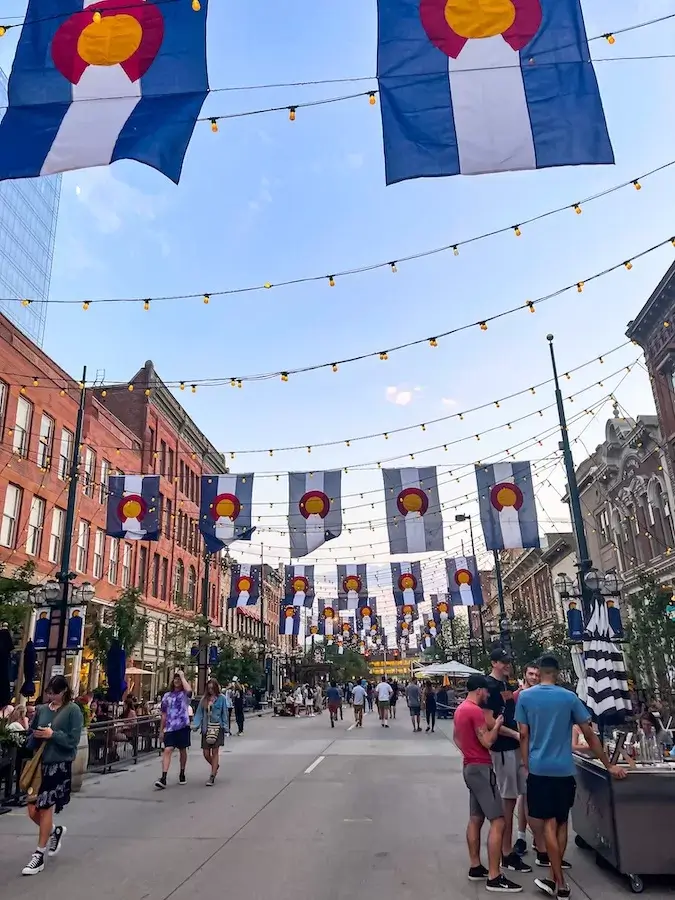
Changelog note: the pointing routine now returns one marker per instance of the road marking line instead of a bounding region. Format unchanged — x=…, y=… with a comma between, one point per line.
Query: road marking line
x=310, y=769
x=357, y=820
x=351, y=727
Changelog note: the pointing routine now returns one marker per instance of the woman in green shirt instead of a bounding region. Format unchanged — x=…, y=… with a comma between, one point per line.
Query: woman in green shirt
x=57, y=725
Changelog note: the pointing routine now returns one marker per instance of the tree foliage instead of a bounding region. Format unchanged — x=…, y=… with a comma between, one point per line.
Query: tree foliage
x=347, y=666
x=650, y=636
x=124, y=621
x=243, y=662
x=15, y=604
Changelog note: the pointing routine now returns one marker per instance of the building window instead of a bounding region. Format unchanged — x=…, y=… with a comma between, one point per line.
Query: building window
x=4, y=390
x=181, y=480
x=103, y=487
x=113, y=560
x=152, y=448
x=36, y=524
x=154, y=585
x=10, y=516
x=160, y=513
x=82, y=546
x=169, y=473
x=56, y=535
x=65, y=453
x=162, y=458
x=45, y=445
x=142, y=568
x=24, y=414
x=169, y=518
x=179, y=583
x=89, y=474
x=126, y=565
x=192, y=587
x=164, y=583
x=99, y=551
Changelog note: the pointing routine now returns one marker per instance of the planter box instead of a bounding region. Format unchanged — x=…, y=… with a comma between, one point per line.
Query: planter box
x=80, y=762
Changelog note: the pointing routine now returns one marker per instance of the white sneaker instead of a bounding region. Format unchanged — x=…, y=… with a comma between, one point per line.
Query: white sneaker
x=35, y=865
x=55, y=840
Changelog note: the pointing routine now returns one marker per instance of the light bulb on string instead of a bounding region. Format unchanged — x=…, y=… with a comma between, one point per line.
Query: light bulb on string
x=517, y=231
x=3, y=30
x=455, y=250
x=284, y=376
x=130, y=387
x=214, y=126
x=182, y=386
x=577, y=208
x=96, y=17
x=207, y=297
x=609, y=38
x=580, y=286
x=334, y=367
x=193, y=388
x=637, y=185
x=146, y=305
x=291, y=113
x=483, y=326
x=85, y=305
x=530, y=305
x=196, y=5
x=384, y=355
x=371, y=98
x=331, y=280
x=628, y=264
x=27, y=302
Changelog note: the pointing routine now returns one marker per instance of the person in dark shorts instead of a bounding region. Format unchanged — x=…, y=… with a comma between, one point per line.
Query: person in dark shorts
x=546, y=714
x=474, y=738
x=506, y=756
x=413, y=696
x=394, y=698
x=175, y=727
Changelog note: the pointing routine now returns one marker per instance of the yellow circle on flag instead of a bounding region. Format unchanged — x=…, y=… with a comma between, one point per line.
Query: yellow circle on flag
x=479, y=18
x=225, y=508
x=111, y=41
x=314, y=506
x=407, y=582
x=132, y=509
x=463, y=577
x=506, y=496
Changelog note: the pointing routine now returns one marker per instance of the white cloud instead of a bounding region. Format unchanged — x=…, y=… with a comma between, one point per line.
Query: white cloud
x=448, y=401
x=398, y=396
x=111, y=201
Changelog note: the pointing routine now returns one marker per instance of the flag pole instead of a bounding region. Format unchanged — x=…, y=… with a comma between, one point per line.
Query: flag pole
x=504, y=632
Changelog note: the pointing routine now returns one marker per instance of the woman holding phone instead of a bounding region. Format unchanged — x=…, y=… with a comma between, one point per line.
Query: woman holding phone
x=55, y=733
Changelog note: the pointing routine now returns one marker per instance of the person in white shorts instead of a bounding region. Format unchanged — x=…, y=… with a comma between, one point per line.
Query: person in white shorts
x=384, y=691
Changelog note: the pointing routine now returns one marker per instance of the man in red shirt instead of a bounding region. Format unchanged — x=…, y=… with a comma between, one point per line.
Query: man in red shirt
x=474, y=738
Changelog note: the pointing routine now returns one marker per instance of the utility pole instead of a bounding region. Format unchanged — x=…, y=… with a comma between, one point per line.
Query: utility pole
x=203, y=665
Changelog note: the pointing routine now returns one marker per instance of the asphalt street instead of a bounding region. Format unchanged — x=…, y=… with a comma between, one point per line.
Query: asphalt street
x=300, y=812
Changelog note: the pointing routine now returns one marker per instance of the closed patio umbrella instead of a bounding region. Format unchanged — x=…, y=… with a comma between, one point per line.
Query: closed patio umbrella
x=606, y=683
x=28, y=687
x=115, y=666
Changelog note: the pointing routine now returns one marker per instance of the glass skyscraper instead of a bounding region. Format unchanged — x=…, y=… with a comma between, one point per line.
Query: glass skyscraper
x=28, y=211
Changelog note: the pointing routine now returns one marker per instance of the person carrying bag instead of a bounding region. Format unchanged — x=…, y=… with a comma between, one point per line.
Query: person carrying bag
x=211, y=720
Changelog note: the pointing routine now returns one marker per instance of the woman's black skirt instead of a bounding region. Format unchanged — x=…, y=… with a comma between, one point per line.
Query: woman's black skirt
x=55, y=787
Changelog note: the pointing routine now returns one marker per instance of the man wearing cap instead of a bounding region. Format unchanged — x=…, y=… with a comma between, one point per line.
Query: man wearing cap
x=546, y=714
x=474, y=740
x=506, y=756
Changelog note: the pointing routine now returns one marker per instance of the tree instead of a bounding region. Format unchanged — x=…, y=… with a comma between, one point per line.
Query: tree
x=125, y=622
x=244, y=663
x=15, y=603
x=183, y=632
x=650, y=638
x=526, y=639
x=347, y=666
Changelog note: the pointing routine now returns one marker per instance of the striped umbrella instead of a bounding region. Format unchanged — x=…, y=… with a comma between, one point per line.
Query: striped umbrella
x=606, y=683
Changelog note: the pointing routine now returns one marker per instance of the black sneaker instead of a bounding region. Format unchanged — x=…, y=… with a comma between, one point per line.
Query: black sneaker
x=35, y=864
x=502, y=885
x=182, y=779
x=565, y=892
x=514, y=863
x=546, y=886
x=55, y=840
x=542, y=860
x=565, y=865
x=161, y=783
x=520, y=847
x=478, y=873
x=211, y=781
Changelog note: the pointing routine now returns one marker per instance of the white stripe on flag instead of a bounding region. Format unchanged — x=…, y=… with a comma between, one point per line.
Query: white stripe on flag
x=133, y=484
x=413, y=522
x=508, y=517
x=224, y=526
x=244, y=570
x=315, y=529
x=492, y=121
x=464, y=589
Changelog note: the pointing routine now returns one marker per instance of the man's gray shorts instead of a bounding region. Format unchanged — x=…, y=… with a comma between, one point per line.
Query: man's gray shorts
x=484, y=799
x=510, y=773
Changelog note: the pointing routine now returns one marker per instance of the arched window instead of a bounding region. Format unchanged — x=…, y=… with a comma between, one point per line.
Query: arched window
x=179, y=580
x=618, y=537
x=192, y=587
x=660, y=510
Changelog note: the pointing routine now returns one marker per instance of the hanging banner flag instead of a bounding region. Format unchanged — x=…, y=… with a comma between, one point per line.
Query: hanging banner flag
x=614, y=618
x=43, y=624
x=575, y=621
x=352, y=585
x=132, y=512
x=365, y=614
x=431, y=625
x=76, y=616
x=315, y=626
x=407, y=613
x=96, y=82
x=329, y=617
x=441, y=608
x=314, y=510
x=225, y=510
x=403, y=631
x=406, y=582
x=507, y=510
x=413, y=510
x=245, y=585
x=346, y=629
x=469, y=87
x=464, y=581
x=289, y=623
x=299, y=589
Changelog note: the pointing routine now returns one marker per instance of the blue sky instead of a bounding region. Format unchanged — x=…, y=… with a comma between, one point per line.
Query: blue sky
x=265, y=199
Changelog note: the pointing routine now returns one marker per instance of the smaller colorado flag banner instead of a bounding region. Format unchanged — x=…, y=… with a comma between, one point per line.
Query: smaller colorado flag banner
x=507, y=510
x=299, y=586
x=245, y=585
x=441, y=608
x=314, y=510
x=406, y=582
x=414, y=519
x=464, y=581
x=328, y=613
x=290, y=620
x=133, y=507
x=366, y=614
x=352, y=585
x=225, y=510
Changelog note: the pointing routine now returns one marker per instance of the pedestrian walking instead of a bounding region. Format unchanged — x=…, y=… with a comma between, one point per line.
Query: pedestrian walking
x=530, y=678
x=230, y=707
x=238, y=704
x=211, y=722
x=546, y=714
x=384, y=692
x=54, y=735
x=506, y=757
x=370, y=694
x=394, y=698
x=359, y=698
x=318, y=699
x=430, y=706
x=413, y=697
x=334, y=699
x=175, y=727
x=474, y=739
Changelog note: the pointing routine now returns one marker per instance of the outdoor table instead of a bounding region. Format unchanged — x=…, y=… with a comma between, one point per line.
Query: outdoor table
x=626, y=822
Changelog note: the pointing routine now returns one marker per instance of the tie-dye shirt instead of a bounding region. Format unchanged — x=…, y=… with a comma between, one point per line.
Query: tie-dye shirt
x=175, y=707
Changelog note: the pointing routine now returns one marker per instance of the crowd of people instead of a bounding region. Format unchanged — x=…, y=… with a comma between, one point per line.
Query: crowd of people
x=517, y=743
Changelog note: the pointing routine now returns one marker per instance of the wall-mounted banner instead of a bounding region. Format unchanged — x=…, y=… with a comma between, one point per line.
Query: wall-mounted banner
x=464, y=581
x=75, y=629
x=614, y=618
x=574, y=617
x=225, y=510
x=507, y=509
x=314, y=509
x=43, y=624
x=413, y=510
x=352, y=585
x=406, y=583
x=245, y=585
x=133, y=507
x=299, y=590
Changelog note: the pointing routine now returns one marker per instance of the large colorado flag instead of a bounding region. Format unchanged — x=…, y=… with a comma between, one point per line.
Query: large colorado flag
x=473, y=86
x=507, y=509
x=95, y=81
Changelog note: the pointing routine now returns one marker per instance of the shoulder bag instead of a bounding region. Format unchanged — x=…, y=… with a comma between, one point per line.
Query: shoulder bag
x=30, y=781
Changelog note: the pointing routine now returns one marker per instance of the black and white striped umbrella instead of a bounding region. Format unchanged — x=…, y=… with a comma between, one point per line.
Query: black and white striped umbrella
x=606, y=684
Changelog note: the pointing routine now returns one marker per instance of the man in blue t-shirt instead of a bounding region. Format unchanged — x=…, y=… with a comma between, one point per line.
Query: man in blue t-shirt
x=546, y=714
